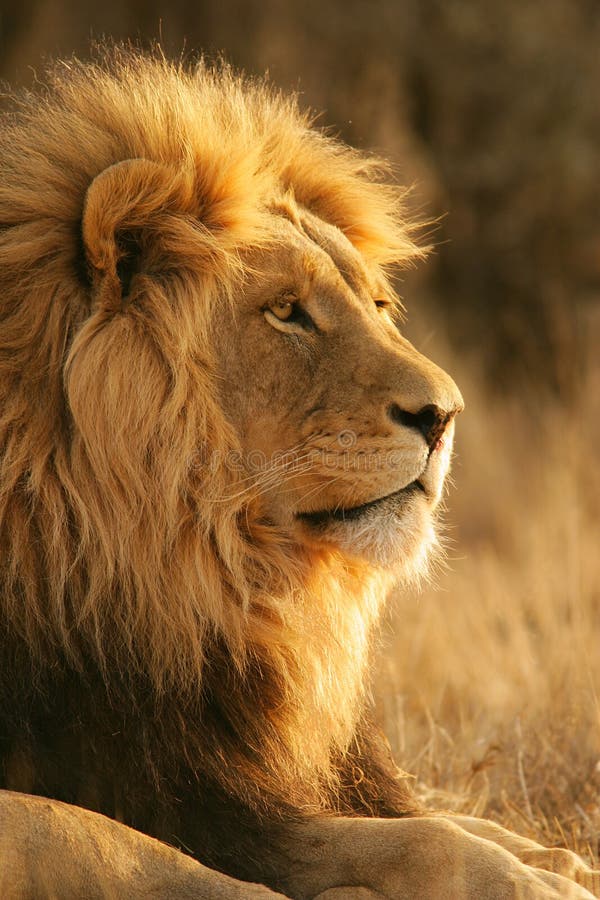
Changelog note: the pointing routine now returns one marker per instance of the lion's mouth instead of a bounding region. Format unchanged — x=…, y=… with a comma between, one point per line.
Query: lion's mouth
x=322, y=517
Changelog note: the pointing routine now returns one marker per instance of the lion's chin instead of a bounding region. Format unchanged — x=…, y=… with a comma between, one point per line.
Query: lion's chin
x=396, y=531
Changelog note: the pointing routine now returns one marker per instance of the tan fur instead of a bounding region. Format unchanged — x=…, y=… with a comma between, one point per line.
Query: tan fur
x=151, y=217
x=79, y=854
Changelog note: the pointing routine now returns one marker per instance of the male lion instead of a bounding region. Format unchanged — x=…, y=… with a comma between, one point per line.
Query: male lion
x=217, y=454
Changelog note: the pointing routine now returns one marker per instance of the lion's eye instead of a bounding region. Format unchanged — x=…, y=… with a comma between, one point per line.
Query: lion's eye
x=287, y=314
x=283, y=309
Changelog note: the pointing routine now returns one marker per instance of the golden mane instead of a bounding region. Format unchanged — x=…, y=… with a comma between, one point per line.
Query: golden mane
x=125, y=535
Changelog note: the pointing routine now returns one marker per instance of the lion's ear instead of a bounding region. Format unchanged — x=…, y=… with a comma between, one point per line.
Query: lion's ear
x=121, y=213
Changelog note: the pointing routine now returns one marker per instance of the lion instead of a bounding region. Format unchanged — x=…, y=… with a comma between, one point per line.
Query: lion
x=218, y=455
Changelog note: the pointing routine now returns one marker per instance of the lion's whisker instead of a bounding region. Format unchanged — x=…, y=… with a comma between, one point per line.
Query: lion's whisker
x=264, y=481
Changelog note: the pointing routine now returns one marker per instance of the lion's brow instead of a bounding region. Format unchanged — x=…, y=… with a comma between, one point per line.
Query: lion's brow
x=341, y=258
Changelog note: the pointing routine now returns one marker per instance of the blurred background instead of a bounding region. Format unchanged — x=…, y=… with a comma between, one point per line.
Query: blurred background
x=489, y=683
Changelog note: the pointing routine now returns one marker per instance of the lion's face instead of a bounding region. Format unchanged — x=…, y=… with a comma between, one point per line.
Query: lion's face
x=345, y=427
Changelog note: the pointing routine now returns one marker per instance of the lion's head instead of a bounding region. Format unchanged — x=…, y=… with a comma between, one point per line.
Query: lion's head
x=210, y=424
x=347, y=428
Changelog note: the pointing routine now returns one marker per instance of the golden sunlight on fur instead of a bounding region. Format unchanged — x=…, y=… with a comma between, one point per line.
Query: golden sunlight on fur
x=218, y=455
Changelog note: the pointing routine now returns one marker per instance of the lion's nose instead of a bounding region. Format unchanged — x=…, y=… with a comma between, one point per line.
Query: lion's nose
x=431, y=421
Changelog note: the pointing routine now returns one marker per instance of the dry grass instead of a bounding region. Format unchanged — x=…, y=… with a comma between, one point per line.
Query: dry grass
x=489, y=688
